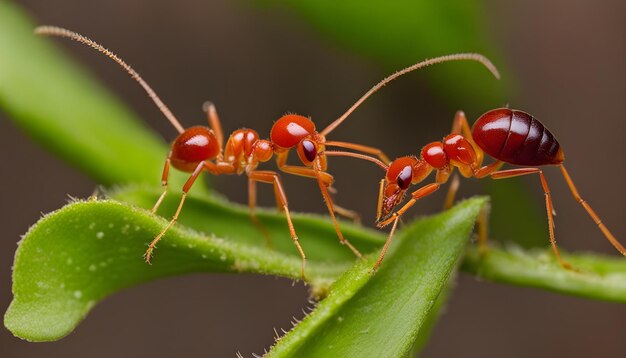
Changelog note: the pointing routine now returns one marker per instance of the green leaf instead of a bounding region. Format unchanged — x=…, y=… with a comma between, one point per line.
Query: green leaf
x=73, y=258
x=433, y=317
x=52, y=99
x=381, y=315
x=597, y=277
x=229, y=220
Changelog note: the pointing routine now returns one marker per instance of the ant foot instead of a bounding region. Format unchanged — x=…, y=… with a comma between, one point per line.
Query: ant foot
x=148, y=256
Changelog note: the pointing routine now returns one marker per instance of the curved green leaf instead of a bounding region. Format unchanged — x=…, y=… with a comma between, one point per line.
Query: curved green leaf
x=52, y=99
x=381, y=315
x=232, y=221
x=433, y=317
x=84, y=252
x=596, y=277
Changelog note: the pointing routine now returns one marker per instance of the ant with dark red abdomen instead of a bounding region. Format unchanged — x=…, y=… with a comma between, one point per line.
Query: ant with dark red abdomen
x=509, y=136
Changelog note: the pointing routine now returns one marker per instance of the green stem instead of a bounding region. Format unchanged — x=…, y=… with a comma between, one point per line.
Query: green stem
x=594, y=277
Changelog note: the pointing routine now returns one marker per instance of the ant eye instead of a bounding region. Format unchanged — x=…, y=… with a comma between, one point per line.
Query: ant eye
x=309, y=150
x=404, y=178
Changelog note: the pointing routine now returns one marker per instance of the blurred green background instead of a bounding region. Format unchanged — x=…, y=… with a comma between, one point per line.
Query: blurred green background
x=562, y=62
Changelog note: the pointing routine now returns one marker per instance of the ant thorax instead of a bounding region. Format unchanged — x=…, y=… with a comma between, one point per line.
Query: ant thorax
x=244, y=150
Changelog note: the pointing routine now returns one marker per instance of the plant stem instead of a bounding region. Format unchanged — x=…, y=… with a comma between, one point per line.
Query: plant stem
x=594, y=277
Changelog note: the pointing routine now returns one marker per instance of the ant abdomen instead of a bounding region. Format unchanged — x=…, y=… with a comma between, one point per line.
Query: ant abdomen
x=193, y=146
x=516, y=137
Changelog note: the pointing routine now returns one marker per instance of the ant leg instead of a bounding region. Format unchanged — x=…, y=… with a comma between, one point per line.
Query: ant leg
x=386, y=246
x=331, y=211
x=416, y=195
x=253, y=217
x=220, y=168
x=214, y=122
x=482, y=227
x=324, y=180
x=503, y=174
x=592, y=213
x=186, y=187
x=339, y=210
x=482, y=222
x=379, y=207
x=488, y=169
x=281, y=161
x=327, y=180
x=395, y=217
x=452, y=190
x=460, y=125
x=361, y=148
x=273, y=178
x=347, y=213
x=164, y=178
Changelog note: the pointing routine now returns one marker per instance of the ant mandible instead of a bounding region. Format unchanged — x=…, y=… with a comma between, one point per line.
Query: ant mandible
x=509, y=136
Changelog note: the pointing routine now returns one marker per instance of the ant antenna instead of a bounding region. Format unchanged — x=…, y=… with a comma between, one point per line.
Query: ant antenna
x=61, y=32
x=455, y=57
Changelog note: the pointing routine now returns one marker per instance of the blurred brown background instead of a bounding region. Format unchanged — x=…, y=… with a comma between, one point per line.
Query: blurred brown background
x=257, y=63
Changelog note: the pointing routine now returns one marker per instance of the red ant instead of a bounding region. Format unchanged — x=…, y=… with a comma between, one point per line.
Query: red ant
x=509, y=136
x=199, y=148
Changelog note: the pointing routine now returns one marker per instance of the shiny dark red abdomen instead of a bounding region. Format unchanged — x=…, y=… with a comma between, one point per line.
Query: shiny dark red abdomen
x=516, y=137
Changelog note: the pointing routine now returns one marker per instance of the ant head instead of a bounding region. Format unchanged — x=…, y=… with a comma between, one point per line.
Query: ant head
x=398, y=179
x=402, y=173
x=193, y=146
x=289, y=130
